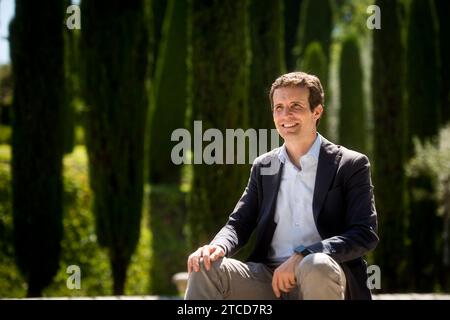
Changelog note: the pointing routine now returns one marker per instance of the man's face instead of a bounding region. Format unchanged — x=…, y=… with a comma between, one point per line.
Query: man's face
x=292, y=115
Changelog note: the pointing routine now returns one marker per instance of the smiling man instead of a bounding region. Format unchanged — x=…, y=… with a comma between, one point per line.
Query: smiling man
x=315, y=216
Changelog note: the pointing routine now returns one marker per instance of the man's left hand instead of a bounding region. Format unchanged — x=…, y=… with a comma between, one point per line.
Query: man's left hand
x=284, y=276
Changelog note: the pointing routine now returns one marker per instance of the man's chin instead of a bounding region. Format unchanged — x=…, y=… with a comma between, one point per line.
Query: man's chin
x=290, y=133
x=289, y=136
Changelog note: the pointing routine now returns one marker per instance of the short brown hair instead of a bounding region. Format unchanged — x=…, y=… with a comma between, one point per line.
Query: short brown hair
x=302, y=80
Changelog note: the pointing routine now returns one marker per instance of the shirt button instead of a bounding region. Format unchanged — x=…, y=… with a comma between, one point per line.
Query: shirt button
x=297, y=224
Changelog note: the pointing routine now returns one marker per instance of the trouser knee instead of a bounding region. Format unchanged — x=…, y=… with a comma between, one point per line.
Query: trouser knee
x=215, y=267
x=317, y=264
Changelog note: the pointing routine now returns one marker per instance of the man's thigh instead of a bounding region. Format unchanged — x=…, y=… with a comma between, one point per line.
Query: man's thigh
x=245, y=280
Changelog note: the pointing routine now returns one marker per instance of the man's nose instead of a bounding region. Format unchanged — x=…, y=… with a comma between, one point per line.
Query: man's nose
x=286, y=111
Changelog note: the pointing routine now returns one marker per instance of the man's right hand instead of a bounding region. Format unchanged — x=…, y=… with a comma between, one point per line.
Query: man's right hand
x=209, y=253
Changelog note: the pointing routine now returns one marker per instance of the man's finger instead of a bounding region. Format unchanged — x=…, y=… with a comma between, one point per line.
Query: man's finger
x=205, y=255
x=196, y=259
x=218, y=253
x=287, y=286
x=292, y=282
x=196, y=263
x=215, y=256
x=275, y=286
x=193, y=260
x=280, y=285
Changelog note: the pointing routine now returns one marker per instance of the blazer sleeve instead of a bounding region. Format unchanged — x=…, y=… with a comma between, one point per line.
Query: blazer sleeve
x=242, y=221
x=360, y=234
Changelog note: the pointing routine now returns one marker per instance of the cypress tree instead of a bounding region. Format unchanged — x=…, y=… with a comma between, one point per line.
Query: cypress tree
x=352, y=114
x=266, y=29
x=443, y=12
x=166, y=200
x=159, y=8
x=316, y=24
x=291, y=13
x=422, y=68
x=423, y=115
x=71, y=44
x=219, y=86
x=315, y=63
x=169, y=105
x=115, y=54
x=389, y=145
x=37, y=53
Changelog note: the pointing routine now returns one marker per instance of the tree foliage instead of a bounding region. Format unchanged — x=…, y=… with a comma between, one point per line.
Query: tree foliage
x=352, y=114
x=116, y=59
x=291, y=15
x=316, y=24
x=37, y=143
x=219, y=97
x=167, y=202
x=315, y=62
x=267, y=59
x=423, y=122
x=389, y=135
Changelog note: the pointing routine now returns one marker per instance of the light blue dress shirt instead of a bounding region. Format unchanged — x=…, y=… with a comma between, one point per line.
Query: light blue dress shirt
x=293, y=212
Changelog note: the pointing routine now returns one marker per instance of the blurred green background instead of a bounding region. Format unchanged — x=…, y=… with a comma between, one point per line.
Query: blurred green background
x=86, y=176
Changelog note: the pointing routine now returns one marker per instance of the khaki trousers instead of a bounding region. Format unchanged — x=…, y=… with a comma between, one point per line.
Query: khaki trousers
x=318, y=277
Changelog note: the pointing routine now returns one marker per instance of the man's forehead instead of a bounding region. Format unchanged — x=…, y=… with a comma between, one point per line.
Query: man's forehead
x=291, y=92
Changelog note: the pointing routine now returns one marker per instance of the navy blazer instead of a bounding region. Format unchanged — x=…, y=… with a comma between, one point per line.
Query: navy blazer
x=343, y=208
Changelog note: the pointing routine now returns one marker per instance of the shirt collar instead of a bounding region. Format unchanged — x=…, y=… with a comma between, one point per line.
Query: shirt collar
x=314, y=151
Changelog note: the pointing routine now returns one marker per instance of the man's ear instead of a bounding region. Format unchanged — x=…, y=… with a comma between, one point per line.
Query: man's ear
x=318, y=110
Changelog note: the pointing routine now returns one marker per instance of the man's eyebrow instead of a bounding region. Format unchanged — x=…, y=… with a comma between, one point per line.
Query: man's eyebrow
x=296, y=101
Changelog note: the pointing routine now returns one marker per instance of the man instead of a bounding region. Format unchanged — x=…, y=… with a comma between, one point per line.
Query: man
x=315, y=215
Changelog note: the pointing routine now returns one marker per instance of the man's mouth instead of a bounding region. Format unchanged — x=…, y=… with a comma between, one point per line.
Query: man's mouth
x=289, y=125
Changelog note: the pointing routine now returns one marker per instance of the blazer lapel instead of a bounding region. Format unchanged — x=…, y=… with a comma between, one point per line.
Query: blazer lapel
x=329, y=158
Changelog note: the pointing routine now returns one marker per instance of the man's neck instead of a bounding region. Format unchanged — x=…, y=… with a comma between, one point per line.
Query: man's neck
x=298, y=148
